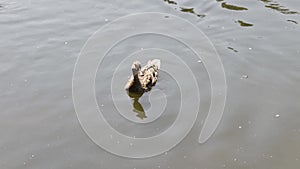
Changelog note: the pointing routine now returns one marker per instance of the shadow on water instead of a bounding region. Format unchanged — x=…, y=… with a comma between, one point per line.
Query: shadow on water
x=137, y=106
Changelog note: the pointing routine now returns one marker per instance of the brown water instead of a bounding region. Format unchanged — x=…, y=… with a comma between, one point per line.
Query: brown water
x=258, y=42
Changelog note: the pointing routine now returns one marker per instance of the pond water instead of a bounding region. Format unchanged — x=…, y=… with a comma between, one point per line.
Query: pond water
x=257, y=41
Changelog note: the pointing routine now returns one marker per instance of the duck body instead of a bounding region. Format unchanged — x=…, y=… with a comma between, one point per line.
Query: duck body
x=143, y=79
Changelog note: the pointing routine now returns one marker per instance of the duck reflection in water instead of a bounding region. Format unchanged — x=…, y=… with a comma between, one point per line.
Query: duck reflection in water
x=141, y=81
x=137, y=106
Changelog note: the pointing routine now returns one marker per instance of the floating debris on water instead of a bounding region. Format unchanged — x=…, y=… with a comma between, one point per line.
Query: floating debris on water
x=105, y=19
x=199, y=61
x=277, y=7
x=183, y=9
x=66, y=42
x=232, y=7
x=170, y=2
x=240, y=127
x=231, y=48
x=289, y=20
x=250, y=48
x=244, y=24
x=277, y=115
x=191, y=11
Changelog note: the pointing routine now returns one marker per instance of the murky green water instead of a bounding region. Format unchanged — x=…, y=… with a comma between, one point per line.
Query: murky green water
x=258, y=42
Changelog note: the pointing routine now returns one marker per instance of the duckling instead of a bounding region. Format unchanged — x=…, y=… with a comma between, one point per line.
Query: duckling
x=143, y=79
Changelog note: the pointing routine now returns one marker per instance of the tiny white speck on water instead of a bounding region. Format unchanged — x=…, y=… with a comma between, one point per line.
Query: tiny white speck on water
x=199, y=61
x=223, y=27
x=32, y=156
x=240, y=127
x=234, y=159
x=271, y=156
x=66, y=42
x=105, y=19
x=277, y=115
x=250, y=48
x=166, y=153
x=244, y=77
x=102, y=105
x=25, y=80
x=142, y=48
x=24, y=163
x=65, y=96
x=158, y=166
x=184, y=156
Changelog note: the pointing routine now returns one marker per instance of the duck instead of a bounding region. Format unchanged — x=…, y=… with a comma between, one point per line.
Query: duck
x=143, y=78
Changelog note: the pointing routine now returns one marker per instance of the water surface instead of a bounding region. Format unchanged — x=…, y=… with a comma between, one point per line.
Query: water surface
x=258, y=42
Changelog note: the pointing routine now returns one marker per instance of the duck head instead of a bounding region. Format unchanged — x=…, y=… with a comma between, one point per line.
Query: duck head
x=136, y=68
